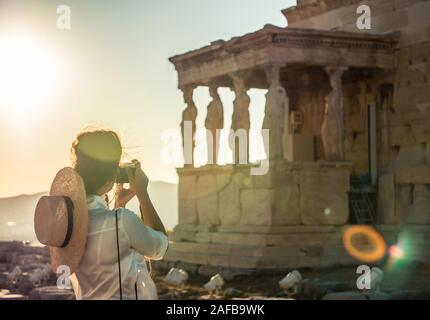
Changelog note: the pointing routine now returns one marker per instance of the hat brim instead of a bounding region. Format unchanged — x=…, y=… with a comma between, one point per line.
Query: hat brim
x=69, y=183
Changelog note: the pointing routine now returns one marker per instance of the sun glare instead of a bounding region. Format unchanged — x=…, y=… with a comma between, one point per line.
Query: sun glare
x=29, y=75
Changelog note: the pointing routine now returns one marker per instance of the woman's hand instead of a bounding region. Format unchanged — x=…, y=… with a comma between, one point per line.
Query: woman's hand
x=139, y=184
x=138, y=181
x=123, y=196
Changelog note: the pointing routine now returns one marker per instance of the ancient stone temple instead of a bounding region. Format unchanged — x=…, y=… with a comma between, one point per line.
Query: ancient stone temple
x=348, y=114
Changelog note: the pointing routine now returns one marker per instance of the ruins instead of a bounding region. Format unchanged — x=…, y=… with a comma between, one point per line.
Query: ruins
x=349, y=117
x=25, y=273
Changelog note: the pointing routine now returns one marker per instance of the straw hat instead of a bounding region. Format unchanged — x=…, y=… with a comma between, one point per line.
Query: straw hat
x=61, y=220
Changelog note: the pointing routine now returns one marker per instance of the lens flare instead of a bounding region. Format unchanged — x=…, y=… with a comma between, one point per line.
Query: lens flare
x=396, y=252
x=364, y=243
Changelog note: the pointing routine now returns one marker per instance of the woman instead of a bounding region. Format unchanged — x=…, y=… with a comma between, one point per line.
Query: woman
x=96, y=157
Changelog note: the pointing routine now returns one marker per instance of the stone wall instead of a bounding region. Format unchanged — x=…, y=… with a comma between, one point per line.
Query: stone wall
x=404, y=197
x=292, y=193
x=403, y=118
x=311, y=103
x=291, y=217
x=409, y=117
x=259, y=247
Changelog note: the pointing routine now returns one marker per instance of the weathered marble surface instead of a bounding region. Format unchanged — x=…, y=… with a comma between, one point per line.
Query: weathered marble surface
x=214, y=123
x=188, y=125
x=387, y=200
x=276, y=118
x=241, y=122
x=290, y=194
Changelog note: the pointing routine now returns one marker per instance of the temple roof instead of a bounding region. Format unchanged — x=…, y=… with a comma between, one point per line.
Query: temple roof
x=285, y=46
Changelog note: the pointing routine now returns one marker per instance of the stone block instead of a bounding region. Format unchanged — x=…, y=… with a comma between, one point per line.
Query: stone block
x=207, y=201
x=413, y=175
x=187, y=193
x=401, y=136
x=413, y=155
x=220, y=260
x=299, y=239
x=188, y=257
x=195, y=257
x=218, y=249
x=421, y=205
x=273, y=178
x=194, y=228
x=386, y=200
x=229, y=203
x=286, y=250
x=287, y=202
x=222, y=180
x=183, y=236
x=203, y=237
x=243, y=262
x=274, y=229
x=257, y=206
x=421, y=132
x=324, y=198
x=188, y=247
x=51, y=293
x=239, y=239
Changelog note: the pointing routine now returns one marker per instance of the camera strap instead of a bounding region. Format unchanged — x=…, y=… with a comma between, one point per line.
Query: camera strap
x=119, y=256
x=119, y=260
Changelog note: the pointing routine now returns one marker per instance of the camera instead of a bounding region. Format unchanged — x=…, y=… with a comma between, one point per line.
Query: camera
x=122, y=176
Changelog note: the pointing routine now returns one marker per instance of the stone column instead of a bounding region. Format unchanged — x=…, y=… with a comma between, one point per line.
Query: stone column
x=239, y=135
x=276, y=113
x=188, y=126
x=214, y=124
x=333, y=128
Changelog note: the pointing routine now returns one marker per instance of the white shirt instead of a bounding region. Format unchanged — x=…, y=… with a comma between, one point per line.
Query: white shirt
x=97, y=275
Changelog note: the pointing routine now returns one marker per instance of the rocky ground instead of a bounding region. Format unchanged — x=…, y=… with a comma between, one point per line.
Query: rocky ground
x=411, y=281
x=335, y=283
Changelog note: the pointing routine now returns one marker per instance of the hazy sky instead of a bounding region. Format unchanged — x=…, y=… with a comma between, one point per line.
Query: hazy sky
x=112, y=69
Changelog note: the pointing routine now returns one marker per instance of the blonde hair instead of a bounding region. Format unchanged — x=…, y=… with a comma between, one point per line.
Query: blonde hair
x=96, y=154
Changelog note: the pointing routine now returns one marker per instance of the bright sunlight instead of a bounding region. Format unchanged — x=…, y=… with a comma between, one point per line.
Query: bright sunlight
x=29, y=75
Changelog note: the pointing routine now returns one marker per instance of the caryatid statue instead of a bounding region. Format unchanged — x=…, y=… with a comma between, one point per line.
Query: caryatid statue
x=214, y=124
x=188, y=126
x=276, y=113
x=241, y=122
x=333, y=128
